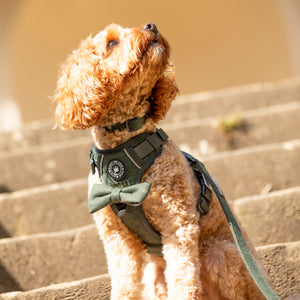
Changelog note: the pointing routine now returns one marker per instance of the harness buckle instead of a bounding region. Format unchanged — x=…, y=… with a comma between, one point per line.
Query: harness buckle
x=206, y=190
x=92, y=162
x=160, y=132
x=205, y=193
x=203, y=207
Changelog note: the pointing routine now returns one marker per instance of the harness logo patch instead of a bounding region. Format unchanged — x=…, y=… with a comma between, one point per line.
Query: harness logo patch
x=116, y=169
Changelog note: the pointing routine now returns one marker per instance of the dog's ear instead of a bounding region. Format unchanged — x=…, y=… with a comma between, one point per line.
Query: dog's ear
x=85, y=90
x=163, y=93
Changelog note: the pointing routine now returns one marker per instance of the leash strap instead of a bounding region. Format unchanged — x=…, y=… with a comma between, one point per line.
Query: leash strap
x=247, y=257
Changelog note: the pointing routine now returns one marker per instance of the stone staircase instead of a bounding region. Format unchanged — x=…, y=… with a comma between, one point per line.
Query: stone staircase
x=49, y=247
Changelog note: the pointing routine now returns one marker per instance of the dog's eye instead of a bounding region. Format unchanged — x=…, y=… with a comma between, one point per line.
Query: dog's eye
x=112, y=43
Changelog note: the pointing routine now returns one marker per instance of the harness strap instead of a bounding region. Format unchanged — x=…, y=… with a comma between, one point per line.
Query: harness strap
x=247, y=257
x=134, y=218
x=143, y=155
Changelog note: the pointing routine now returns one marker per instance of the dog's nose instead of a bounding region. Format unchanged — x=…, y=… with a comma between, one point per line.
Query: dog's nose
x=150, y=27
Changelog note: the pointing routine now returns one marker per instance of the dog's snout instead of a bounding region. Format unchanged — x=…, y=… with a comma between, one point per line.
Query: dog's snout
x=150, y=27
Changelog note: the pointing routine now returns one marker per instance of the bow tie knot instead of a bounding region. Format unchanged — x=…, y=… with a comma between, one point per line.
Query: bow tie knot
x=102, y=195
x=115, y=194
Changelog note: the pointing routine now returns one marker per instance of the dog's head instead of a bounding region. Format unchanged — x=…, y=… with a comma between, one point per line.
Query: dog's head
x=117, y=69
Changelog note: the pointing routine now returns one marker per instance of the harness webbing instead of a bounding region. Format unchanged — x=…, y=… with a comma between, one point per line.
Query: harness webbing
x=247, y=257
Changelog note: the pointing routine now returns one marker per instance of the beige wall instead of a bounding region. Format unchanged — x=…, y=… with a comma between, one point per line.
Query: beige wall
x=215, y=43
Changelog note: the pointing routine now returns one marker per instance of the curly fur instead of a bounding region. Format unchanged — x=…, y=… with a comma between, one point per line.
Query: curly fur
x=124, y=73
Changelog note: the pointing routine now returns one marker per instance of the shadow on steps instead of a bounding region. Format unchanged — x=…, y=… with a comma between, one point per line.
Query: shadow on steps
x=4, y=189
x=3, y=233
x=7, y=282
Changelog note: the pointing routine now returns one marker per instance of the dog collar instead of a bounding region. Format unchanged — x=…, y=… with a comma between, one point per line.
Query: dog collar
x=131, y=125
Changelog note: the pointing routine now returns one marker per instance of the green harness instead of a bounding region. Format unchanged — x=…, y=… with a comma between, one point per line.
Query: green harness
x=121, y=170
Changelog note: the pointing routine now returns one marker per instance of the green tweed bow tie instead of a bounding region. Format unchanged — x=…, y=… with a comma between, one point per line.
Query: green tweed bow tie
x=103, y=195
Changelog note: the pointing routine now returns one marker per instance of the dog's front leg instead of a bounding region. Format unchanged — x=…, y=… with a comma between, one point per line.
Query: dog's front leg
x=171, y=209
x=125, y=256
x=183, y=264
x=154, y=278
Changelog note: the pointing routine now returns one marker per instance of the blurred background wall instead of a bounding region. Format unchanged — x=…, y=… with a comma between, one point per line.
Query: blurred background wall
x=216, y=43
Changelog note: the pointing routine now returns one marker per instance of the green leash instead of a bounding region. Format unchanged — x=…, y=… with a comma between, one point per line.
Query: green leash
x=247, y=257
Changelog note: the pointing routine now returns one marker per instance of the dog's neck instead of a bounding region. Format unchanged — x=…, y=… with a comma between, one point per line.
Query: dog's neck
x=108, y=140
x=133, y=103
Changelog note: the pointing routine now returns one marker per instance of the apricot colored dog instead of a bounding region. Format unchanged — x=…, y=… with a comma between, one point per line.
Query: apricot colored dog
x=118, y=75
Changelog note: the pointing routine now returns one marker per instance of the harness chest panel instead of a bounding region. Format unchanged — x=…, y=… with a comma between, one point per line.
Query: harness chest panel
x=124, y=166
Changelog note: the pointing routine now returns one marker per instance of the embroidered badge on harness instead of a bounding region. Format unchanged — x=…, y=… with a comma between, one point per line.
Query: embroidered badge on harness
x=116, y=169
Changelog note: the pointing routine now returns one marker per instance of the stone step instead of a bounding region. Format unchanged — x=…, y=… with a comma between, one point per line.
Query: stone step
x=63, y=206
x=260, y=165
x=50, y=208
x=256, y=170
x=271, y=218
x=93, y=288
x=280, y=260
x=44, y=164
x=37, y=133
x=282, y=263
x=40, y=160
x=254, y=127
x=200, y=137
x=34, y=261
x=198, y=106
x=222, y=102
x=25, y=261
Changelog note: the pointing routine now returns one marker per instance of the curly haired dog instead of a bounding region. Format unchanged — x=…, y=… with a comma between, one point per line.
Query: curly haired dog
x=118, y=75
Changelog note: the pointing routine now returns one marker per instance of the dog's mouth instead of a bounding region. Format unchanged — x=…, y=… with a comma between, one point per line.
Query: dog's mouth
x=156, y=42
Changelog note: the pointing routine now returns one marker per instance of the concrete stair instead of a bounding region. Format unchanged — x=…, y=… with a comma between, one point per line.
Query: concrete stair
x=49, y=246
